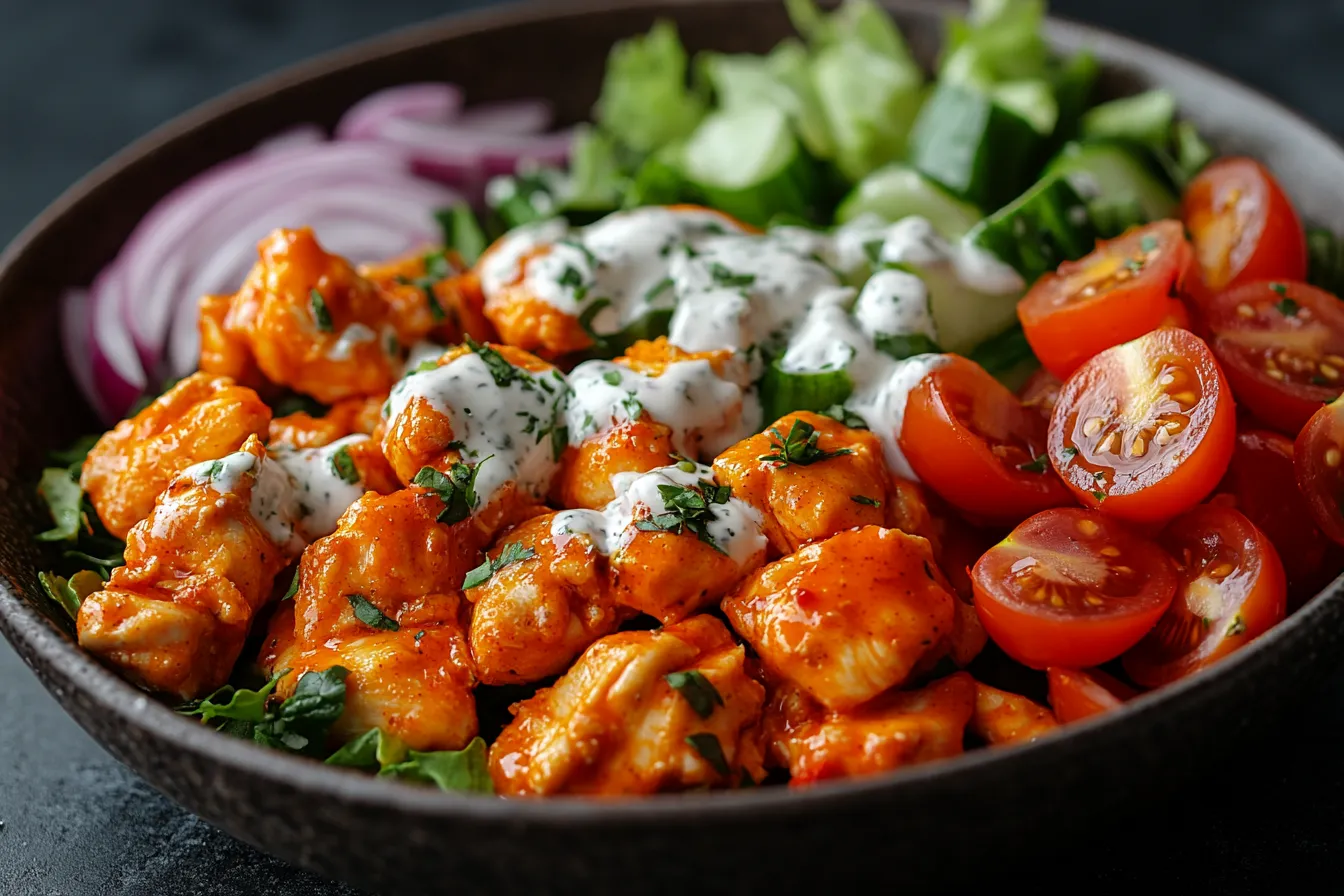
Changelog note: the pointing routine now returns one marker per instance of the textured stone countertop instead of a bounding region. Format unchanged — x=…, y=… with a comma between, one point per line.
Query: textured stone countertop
x=78, y=80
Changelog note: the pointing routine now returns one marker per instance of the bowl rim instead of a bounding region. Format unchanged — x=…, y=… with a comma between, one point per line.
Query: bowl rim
x=52, y=654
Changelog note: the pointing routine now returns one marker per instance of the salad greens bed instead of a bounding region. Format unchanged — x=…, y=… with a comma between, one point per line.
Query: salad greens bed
x=1002, y=148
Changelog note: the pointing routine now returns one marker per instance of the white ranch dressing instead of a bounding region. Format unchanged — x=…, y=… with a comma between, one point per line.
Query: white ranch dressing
x=323, y=495
x=914, y=241
x=510, y=424
x=736, y=527
x=420, y=352
x=894, y=303
x=881, y=401
x=706, y=412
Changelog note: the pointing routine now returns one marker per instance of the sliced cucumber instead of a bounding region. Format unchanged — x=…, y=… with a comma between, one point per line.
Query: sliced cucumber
x=972, y=145
x=870, y=102
x=1045, y=226
x=897, y=191
x=747, y=162
x=963, y=317
x=1144, y=118
x=1119, y=189
x=786, y=391
x=1033, y=100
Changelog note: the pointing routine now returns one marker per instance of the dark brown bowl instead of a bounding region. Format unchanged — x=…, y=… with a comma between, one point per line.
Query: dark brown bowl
x=932, y=824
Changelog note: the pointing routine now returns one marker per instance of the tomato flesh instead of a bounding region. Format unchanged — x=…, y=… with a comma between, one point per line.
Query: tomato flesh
x=1144, y=430
x=1281, y=344
x=1231, y=591
x=1081, y=693
x=1119, y=292
x=1243, y=227
x=971, y=441
x=1071, y=588
x=1261, y=482
x=1041, y=392
x=1318, y=458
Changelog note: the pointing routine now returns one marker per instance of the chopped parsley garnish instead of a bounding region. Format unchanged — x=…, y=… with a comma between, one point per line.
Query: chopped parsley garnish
x=1238, y=626
x=845, y=416
x=658, y=289
x=211, y=472
x=369, y=614
x=585, y=322
x=688, y=509
x=572, y=278
x=513, y=552
x=343, y=465
x=1099, y=495
x=293, y=587
x=1134, y=265
x=1280, y=288
x=708, y=746
x=1038, y=465
x=437, y=269
x=799, y=446
x=612, y=378
x=1287, y=307
x=501, y=370
x=419, y=635
x=1148, y=243
x=1069, y=452
x=722, y=276
x=864, y=499
x=321, y=315
x=456, y=489
x=392, y=345
x=698, y=690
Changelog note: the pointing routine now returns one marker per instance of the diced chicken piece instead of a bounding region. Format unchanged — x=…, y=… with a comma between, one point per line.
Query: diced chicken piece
x=895, y=730
x=490, y=408
x=638, y=713
x=810, y=477
x=430, y=293
x=201, y=418
x=1005, y=718
x=353, y=416
x=546, y=599
x=586, y=469
x=174, y=618
x=309, y=322
x=846, y=618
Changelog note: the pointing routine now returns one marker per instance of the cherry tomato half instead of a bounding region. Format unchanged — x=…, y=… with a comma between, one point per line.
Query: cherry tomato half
x=1144, y=430
x=1231, y=591
x=1071, y=588
x=1243, y=228
x=1040, y=392
x=1281, y=345
x=1261, y=482
x=1079, y=693
x=1318, y=458
x=971, y=441
x=1119, y=292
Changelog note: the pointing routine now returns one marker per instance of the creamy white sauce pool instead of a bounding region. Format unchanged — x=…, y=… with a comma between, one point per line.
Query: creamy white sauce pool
x=510, y=424
x=736, y=527
x=320, y=489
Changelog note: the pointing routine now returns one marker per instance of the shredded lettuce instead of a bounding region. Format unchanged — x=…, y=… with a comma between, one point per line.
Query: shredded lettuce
x=596, y=181
x=1145, y=119
x=999, y=41
x=854, y=23
x=781, y=79
x=645, y=102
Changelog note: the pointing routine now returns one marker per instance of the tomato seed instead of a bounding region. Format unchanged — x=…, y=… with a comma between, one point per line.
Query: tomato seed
x=1139, y=448
x=1222, y=571
x=1109, y=551
x=1245, y=310
x=1332, y=457
x=1329, y=371
x=1275, y=374
x=1093, y=426
x=1108, y=444
x=1088, y=528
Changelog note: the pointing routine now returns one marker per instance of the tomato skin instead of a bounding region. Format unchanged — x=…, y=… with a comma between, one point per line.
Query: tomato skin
x=1155, y=473
x=1232, y=591
x=1282, y=366
x=1320, y=475
x=1261, y=482
x=1108, y=602
x=966, y=436
x=1117, y=293
x=1243, y=227
x=1081, y=693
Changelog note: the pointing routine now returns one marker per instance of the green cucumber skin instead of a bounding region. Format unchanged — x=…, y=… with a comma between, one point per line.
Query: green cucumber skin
x=783, y=392
x=1129, y=192
x=1041, y=229
x=895, y=191
x=973, y=147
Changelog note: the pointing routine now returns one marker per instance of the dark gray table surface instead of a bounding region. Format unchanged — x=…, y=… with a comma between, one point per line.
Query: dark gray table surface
x=80, y=80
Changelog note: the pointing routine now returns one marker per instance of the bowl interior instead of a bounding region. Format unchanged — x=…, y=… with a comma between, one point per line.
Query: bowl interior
x=556, y=53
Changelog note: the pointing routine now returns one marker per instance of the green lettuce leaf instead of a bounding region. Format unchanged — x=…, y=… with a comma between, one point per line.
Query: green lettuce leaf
x=645, y=101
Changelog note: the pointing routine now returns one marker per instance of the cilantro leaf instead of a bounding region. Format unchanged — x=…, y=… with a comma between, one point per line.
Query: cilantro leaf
x=462, y=770
x=1038, y=465
x=698, y=690
x=456, y=489
x=1287, y=307
x=513, y=552
x=500, y=369
x=371, y=751
x=799, y=446
x=302, y=722
x=343, y=466
x=708, y=746
x=864, y=499
x=367, y=613
x=321, y=314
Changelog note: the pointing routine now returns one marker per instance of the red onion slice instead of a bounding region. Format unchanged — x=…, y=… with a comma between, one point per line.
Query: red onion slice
x=422, y=102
